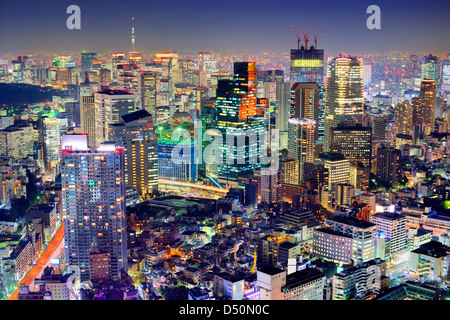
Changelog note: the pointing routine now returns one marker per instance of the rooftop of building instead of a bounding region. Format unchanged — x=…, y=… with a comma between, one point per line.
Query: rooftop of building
x=114, y=92
x=332, y=156
x=433, y=249
x=271, y=270
x=136, y=115
x=352, y=221
x=389, y=216
x=332, y=232
x=301, y=277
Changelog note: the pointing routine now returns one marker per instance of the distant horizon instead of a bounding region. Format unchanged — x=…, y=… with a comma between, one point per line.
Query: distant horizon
x=249, y=25
x=228, y=52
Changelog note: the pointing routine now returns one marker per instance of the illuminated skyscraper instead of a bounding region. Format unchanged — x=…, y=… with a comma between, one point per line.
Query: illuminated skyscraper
x=289, y=171
x=412, y=67
x=283, y=102
x=270, y=191
x=389, y=166
x=305, y=104
x=425, y=107
x=430, y=68
x=136, y=133
x=87, y=59
x=104, y=77
x=355, y=143
x=345, y=193
x=301, y=142
x=239, y=123
x=344, y=93
x=52, y=143
x=338, y=168
x=87, y=118
x=307, y=65
x=185, y=168
x=445, y=77
x=93, y=205
x=404, y=117
x=148, y=91
x=110, y=106
x=207, y=61
x=117, y=59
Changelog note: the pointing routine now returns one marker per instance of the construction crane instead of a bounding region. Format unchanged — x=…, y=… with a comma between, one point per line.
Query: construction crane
x=317, y=36
x=298, y=37
x=306, y=37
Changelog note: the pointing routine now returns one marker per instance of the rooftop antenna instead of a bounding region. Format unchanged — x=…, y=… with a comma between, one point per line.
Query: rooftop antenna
x=132, y=34
x=317, y=36
x=298, y=37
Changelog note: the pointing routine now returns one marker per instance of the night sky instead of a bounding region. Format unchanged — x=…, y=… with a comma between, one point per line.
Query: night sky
x=246, y=25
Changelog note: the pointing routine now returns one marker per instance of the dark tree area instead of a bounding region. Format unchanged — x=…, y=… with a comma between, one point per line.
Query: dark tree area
x=175, y=293
x=16, y=94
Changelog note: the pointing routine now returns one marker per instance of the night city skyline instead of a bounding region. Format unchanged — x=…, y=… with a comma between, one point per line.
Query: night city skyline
x=206, y=152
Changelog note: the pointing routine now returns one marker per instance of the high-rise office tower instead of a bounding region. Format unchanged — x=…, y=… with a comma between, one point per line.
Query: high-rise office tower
x=403, y=117
x=93, y=205
x=307, y=65
x=87, y=118
x=445, y=78
x=117, y=59
x=207, y=61
x=283, y=103
x=355, y=143
x=51, y=143
x=87, y=59
x=344, y=93
x=239, y=123
x=13, y=137
x=305, y=102
x=301, y=142
x=338, y=168
x=289, y=171
x=148, y=91
x=389, y=165
x=135, y=132
x=412, y=67
x=359, y=176
x=345, y=194
x=430, y=68
x=270, y=191
x=185, y=169
x=367, y=74
x=270, y=75
x=104, y=77
x=424, y=108
x=110, y=106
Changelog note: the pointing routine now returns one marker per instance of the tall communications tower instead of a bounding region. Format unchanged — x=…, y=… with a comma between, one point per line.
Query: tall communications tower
x=132, y=34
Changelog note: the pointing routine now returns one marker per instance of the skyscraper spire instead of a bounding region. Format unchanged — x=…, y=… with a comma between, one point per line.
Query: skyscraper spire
x=132, y=34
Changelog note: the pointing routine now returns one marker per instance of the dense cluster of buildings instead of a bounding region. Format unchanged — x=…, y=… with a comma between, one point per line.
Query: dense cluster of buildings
x=206, y=178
